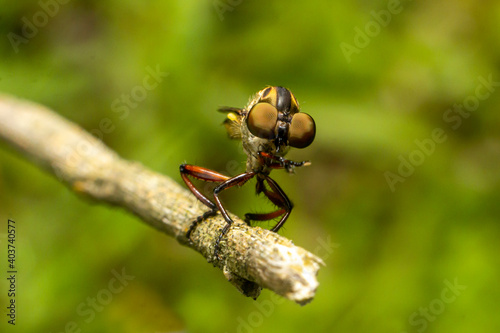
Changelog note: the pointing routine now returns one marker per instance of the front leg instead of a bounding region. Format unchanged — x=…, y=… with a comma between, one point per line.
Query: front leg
x=279, y=162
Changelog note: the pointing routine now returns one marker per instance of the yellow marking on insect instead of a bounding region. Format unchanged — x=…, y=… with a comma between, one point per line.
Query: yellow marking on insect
x=232, y=116
x=294, y=108
x=269, y=95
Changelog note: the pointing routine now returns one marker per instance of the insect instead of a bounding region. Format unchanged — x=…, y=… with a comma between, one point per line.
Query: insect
x=268, y=126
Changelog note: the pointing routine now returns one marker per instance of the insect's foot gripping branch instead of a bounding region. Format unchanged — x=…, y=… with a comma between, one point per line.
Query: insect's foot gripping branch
x=200, y=218
x=221, y=236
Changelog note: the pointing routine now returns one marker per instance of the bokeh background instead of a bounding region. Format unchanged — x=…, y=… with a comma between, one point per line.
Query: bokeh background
x=407, y=221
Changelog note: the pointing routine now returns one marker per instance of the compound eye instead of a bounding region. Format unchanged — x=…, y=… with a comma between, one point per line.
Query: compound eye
x=302, y=130
x=262, y=120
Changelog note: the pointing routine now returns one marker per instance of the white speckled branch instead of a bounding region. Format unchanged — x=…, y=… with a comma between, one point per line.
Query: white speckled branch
x=251, y=258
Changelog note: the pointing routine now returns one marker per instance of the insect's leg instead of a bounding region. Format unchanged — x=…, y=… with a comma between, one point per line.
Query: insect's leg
x=279, y=162
x=235, y=181
x=263, y=216
x=261, y=188
x=202, y=174
x=277, y=197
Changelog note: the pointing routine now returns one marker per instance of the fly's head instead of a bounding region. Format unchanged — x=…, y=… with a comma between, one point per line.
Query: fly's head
x=270, y=123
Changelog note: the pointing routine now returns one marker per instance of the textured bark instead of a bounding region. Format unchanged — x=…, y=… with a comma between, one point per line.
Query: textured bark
x=251, y=257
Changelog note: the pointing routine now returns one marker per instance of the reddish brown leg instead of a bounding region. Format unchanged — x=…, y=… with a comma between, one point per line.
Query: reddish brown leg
x=238, y=180
x=277, y=197
x=281, y=162
x=212, y=176
x=202, y=174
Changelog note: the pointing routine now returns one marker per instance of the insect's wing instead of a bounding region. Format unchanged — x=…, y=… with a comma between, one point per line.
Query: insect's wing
x=233, y=121
x=228, y=109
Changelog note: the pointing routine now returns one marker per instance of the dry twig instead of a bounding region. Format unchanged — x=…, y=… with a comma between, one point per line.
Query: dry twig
x=252, y=257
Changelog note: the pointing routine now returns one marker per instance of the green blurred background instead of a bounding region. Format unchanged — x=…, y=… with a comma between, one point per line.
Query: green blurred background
x=408, y=227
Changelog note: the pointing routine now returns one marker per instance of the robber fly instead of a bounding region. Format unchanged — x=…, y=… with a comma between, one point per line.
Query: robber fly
x=268, y=126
